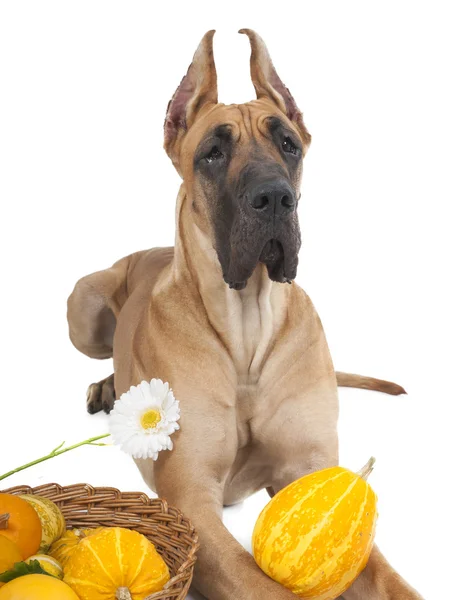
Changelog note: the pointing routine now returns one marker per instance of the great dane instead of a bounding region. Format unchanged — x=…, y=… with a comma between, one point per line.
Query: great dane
x=215, y=316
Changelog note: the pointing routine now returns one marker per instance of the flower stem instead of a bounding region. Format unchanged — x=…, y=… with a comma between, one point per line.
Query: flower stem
x=57, y=448
x=57, y=452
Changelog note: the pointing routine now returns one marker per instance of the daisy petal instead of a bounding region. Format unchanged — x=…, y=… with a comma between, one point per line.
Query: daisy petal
x=138, y=436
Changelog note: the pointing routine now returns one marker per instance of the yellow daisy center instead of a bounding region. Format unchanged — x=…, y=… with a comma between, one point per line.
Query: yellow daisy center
x=150, y=418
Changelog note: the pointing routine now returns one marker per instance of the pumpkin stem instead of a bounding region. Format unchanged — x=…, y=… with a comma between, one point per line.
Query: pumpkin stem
x=4, y=521
x=123, y=593
x=79, y=533
x=367, y=469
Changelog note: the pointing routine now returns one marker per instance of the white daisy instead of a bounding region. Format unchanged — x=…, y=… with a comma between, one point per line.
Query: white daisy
x=144, y=418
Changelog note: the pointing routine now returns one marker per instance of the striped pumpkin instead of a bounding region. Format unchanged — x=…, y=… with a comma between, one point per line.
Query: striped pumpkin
x=315, y=536
x=52, y=520
x=115, y=563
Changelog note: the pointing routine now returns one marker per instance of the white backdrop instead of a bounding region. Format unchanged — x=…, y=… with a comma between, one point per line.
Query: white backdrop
x=84, y=181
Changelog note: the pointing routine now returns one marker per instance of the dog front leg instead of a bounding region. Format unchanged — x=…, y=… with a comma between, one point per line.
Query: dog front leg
x=224, y=570
x=379, y=581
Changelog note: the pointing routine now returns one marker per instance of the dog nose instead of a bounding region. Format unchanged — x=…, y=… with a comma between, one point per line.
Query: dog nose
x=273, y=197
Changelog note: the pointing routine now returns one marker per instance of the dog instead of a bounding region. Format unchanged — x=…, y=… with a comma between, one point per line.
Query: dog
x=219, y=317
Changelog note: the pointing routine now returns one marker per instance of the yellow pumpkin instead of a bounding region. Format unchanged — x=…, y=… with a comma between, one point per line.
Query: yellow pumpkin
x=62, y=548
x=315, y=536
x=115, y=563
x=37, y=587
x=52, y=520
x=9, y=555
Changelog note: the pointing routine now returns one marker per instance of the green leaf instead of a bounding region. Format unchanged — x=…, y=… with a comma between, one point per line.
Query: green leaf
x=22, y=568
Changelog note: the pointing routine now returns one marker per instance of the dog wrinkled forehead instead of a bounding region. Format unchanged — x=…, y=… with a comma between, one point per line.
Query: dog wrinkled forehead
x=194, y=108
x=248, y=127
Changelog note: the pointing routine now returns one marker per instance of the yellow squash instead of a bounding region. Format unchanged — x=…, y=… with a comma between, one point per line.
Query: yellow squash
x=52, y=520
x=37, y=587
x=315, y=536
x=115, y=563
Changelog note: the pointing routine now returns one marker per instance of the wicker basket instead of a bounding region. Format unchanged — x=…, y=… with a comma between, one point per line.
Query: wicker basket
x=84, y=506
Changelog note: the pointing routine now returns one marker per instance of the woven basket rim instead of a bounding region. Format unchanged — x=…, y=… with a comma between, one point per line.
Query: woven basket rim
x=84, y=492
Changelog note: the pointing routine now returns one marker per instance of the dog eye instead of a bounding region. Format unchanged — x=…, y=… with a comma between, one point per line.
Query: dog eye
x=215, y=154
x=288, y=146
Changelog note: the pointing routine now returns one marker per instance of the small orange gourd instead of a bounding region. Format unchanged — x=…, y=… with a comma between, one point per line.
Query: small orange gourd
x=20, y=523
x=315, y=536
x=9, y=555
x=115, y=563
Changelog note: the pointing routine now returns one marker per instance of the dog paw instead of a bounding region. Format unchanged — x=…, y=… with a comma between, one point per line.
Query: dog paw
x=101, y=396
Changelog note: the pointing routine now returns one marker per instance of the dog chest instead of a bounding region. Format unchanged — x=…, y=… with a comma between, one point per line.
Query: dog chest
x=254, y=316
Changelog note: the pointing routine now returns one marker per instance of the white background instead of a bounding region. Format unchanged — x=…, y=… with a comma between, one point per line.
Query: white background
x=84, y=181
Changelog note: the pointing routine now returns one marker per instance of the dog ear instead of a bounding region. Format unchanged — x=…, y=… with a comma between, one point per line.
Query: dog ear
x=197, y=88
x=267, y=83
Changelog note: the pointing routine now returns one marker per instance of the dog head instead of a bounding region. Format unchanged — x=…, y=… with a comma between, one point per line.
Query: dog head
x=241, y=165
